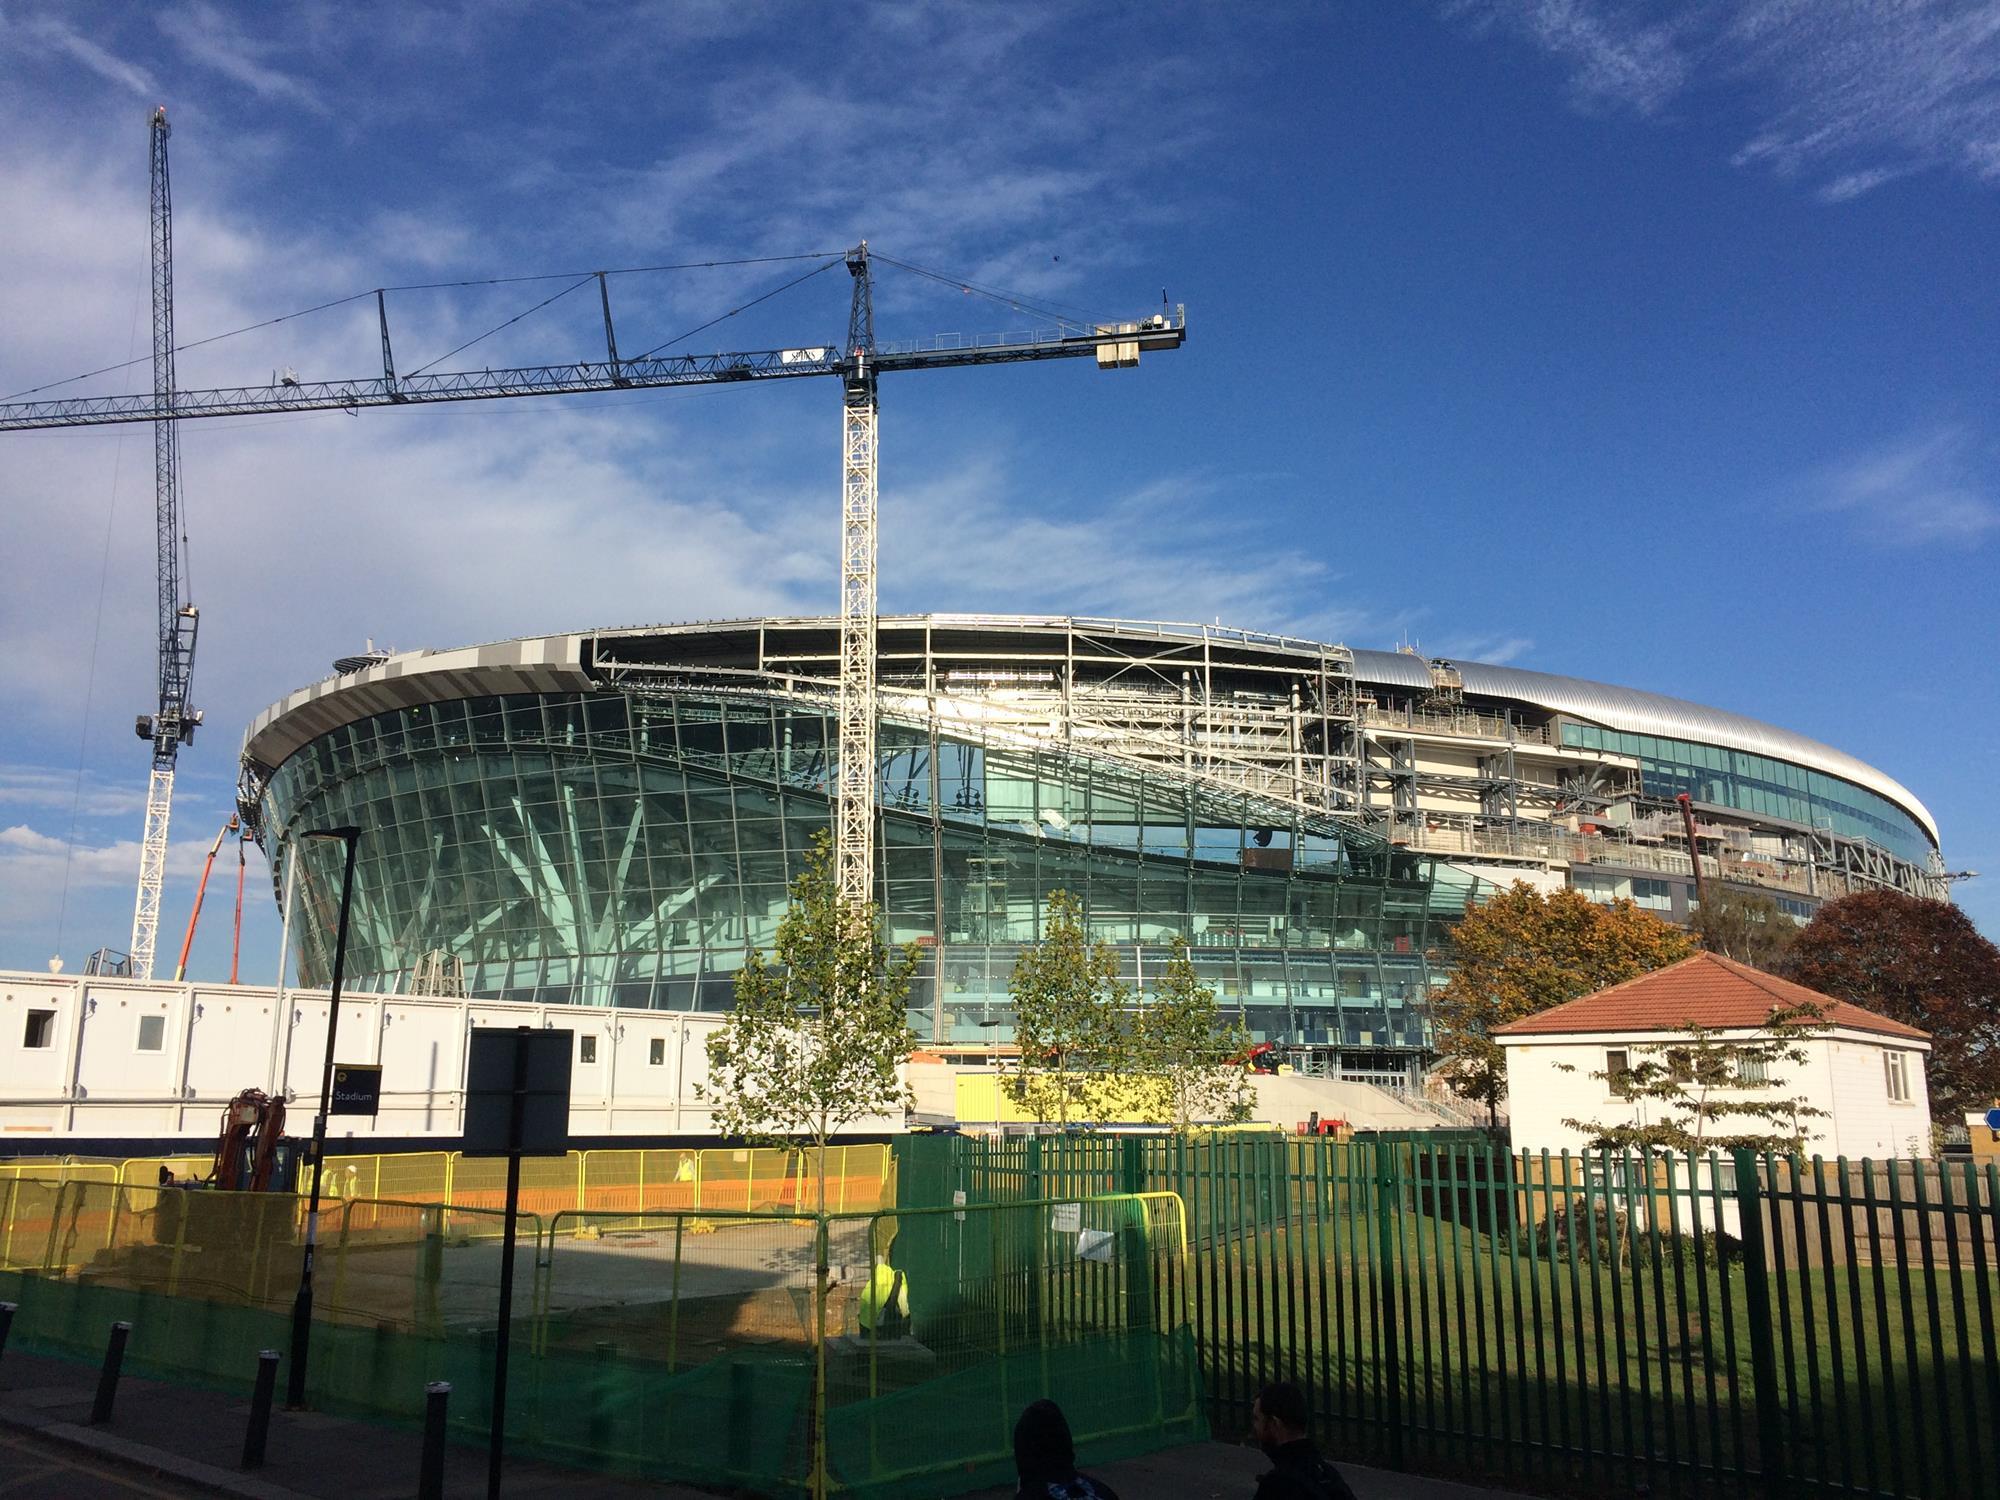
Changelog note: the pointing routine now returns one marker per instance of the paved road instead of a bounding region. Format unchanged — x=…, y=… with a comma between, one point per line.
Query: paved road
x=33, y=1468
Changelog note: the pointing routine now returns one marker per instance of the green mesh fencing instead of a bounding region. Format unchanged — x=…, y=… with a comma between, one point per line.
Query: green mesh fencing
x=720, y=1348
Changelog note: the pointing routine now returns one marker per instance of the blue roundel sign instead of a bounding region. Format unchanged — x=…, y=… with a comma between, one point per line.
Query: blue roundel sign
x=1993, y=1119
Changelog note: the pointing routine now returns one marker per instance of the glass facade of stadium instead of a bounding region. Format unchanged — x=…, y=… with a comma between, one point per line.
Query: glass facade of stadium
x=627, y=848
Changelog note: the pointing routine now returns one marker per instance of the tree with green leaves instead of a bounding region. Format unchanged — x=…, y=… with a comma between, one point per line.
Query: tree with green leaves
x=1747, y=926
x=1191, y=1059
x=1688, y=1091
x=819, y=1032
x=1070, y=1019
x=1522, y=951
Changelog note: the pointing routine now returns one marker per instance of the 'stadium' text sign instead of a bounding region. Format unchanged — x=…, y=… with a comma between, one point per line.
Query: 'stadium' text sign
x=357, y=1089
x=500, y=1058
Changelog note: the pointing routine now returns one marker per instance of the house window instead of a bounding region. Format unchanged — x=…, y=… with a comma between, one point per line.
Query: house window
x=1897, y=1066
x=152, y=1033
x=1618, y=1070
x=1752, y=1069
x=41, y=1029
x=1680, y=1065
x=586, y=1048
x=656, y=1051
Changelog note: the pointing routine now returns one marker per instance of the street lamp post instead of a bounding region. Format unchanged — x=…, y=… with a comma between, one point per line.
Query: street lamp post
x=295, y=1376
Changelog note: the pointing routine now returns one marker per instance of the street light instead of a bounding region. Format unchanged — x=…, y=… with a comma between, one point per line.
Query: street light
x=295, y=1377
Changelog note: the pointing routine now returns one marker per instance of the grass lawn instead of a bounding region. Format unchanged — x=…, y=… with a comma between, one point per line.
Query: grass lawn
x=1519, y=1355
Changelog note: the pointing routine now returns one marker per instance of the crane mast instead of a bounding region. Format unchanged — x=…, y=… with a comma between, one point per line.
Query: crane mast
x=854, y=803
x=858, y=363
x=173, y=723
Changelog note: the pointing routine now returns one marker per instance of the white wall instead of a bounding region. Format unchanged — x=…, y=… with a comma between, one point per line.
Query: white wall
x=216, y=1040
x=1548, y=1082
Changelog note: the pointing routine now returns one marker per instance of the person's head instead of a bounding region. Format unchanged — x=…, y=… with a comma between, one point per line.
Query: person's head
x=1043, y=1447
x=1278, y=1415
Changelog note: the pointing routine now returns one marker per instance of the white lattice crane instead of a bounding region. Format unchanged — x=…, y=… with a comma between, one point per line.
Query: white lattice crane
x=858, y=364
x=173, y=723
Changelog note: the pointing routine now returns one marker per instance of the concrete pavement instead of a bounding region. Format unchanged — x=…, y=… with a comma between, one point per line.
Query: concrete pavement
x=174, y=1441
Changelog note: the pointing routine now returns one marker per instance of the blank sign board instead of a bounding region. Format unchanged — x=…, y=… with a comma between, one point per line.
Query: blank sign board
x=539, y=1061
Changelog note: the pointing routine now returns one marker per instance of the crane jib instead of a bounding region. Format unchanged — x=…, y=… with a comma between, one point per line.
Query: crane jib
x=556, y=380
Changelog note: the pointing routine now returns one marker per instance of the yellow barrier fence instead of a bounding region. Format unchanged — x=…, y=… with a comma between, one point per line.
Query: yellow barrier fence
x=859, y=1178
x=416, y=1266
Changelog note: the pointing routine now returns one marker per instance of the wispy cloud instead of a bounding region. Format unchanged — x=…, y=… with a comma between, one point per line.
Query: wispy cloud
x=43, y=788
x=49, y=34
x=1614, y=56
x=1925, y=488
x=212, y=39
x=1158, y=551
x=1850, y=96
x=1492, y=650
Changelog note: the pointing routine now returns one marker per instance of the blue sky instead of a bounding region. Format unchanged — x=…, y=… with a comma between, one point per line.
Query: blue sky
x=1647, y=343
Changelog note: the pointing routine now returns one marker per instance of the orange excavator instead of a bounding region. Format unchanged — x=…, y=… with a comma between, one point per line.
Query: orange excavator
x=253, y=1154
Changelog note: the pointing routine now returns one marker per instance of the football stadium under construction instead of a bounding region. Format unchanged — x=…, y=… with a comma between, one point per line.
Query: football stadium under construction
x=612, y=818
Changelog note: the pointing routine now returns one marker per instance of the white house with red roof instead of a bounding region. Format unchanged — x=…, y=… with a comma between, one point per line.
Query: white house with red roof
x=1864, y=1070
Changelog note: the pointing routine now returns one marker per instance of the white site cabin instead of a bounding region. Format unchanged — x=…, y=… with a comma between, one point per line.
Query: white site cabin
x=1865, y=1071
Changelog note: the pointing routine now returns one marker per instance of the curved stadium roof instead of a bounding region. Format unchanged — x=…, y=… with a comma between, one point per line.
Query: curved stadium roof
x=1638, y=712
x=557, y=664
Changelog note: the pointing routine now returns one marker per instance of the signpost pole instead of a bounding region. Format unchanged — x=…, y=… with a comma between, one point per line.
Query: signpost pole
x=516, y=1104
x=497, y=1437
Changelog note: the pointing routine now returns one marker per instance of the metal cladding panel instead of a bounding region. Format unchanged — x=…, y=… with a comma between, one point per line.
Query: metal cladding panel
x=541, y=664
x=1391, y=669
x=1637, y=712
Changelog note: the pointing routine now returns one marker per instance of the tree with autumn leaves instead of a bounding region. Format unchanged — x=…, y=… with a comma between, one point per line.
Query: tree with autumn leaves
x=1522, y=951
x=1922, y=963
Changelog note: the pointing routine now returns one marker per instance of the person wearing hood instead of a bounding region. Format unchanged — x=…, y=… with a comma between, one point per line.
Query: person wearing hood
x=1278, y=1422
x=1045, y=1458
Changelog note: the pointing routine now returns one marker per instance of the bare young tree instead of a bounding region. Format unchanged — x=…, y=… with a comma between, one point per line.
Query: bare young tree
x=1192, y=1060
x=1069, y=1019
x=1704, y=1090
x=819, y=1032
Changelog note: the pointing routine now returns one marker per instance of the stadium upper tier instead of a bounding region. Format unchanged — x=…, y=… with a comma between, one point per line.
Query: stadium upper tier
x=613, y=815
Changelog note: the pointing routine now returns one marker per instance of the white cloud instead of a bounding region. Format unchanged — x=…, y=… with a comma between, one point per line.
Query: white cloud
x=1925, y=488
x=36, y=866
x=51, y=35
x=1613, y=55
x=212, y=39
x=1853, y=95
x=1492, y=650
x=43, y=788
x=1165, y=550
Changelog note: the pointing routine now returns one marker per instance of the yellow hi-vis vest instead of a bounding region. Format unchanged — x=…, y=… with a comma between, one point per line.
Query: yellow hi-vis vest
x=884, y=1301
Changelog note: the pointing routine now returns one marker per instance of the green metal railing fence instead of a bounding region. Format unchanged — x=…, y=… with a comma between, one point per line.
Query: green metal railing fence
x=1681, y=1324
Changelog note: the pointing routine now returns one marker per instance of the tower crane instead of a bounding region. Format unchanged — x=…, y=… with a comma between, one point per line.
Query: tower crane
x=858, y=363
x=173, y=723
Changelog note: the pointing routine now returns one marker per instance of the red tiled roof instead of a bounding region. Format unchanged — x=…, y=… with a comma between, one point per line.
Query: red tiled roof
x=1707, y=990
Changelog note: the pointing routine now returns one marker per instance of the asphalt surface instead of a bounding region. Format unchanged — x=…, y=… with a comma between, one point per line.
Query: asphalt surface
x=33, y=1467
x=173, y=1441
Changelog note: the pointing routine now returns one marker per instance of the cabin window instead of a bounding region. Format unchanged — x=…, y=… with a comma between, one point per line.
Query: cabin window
x=1896, y=1065
x=41, y=1030
x=152, y=1033
x=1618, y=1070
